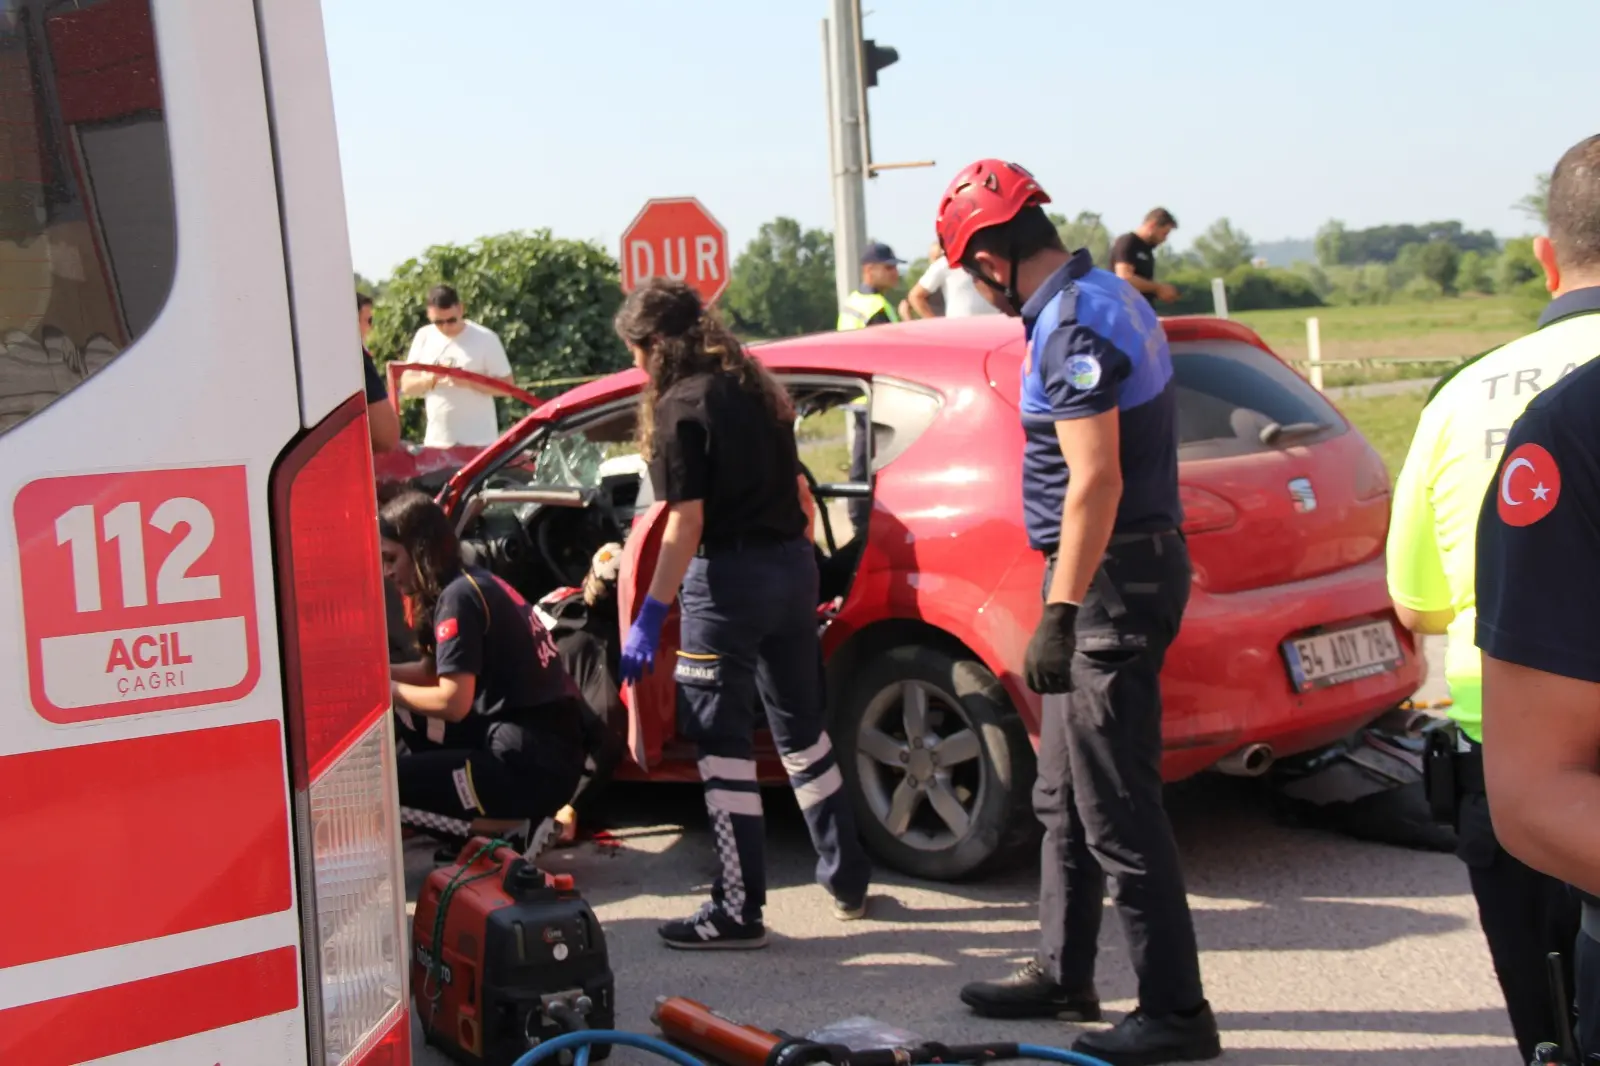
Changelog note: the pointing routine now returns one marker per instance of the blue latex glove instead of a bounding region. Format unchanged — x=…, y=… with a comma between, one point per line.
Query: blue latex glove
x=639, y=649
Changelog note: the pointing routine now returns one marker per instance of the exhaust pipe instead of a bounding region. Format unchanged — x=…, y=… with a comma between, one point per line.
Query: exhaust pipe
x=1252, y=760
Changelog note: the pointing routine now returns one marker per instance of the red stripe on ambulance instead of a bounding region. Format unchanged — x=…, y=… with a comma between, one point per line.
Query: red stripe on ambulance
x=111, y=1021
x=209, y=804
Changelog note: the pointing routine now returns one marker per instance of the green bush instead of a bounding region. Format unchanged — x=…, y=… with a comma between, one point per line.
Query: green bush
x=1249, y=289
x=550, y=300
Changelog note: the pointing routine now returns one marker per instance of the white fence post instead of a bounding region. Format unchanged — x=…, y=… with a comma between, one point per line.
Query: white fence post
x=1219, y=297
x=1314, y=351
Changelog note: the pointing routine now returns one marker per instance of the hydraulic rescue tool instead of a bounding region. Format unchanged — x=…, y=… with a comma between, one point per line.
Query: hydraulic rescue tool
x=505, y=956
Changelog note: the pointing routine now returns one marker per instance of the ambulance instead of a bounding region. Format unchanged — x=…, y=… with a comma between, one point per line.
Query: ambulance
x=199, y=835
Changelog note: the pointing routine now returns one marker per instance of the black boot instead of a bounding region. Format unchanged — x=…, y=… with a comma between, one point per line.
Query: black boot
x=1141, y=1039
x=1030, y=993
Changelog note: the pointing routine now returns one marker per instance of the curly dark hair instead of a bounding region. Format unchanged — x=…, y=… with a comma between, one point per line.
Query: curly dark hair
x=682, y=337
x=412, y=520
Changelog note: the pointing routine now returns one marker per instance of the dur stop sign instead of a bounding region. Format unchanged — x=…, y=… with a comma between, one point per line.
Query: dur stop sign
x=676, y=238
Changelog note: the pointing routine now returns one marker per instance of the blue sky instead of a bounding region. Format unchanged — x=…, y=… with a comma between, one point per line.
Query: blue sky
x=479, y=116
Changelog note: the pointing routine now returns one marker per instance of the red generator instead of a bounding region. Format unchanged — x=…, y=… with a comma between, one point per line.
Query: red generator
x=523, y=958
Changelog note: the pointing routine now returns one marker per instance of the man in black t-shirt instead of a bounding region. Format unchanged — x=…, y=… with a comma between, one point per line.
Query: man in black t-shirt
x=1133, y=257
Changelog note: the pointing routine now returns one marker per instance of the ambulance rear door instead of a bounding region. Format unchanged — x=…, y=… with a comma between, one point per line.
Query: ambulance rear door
x=198, y=845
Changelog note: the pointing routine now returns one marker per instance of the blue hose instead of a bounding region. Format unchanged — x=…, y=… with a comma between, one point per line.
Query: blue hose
x=585, y=1037
x=582, y=1039
x=1057, y=1054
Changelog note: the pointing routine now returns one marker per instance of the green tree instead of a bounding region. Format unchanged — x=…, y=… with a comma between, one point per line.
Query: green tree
x=1518, y=266
x=1475, y=273
x=1222, y=248
x=1438, y=262
x=551, y=301
x=1331, y=244
x=782, y=284
x=1536, y=204
x=1089, y=231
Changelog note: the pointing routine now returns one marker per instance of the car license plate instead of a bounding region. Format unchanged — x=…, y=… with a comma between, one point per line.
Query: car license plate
x=1322, y=659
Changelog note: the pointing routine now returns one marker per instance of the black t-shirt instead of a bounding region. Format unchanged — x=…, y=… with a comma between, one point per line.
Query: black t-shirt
x=1538, y=547
x=1136, y=251
x=482, y=629
x=716, y=442
x=377, y=391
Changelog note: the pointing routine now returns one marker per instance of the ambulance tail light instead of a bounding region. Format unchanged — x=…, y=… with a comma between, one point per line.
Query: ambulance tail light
x=342, y=761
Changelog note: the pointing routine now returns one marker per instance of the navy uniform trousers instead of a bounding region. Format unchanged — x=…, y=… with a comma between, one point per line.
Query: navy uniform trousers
x=1098, y=791
x=749, y=628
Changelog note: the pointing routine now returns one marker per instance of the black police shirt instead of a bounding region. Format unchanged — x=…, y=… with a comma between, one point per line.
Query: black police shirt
x=715, y=441
x=481, y=628
x=1538, y=549
x=1135, y=250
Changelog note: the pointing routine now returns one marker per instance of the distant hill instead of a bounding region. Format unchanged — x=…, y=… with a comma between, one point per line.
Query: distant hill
x=1287, y=252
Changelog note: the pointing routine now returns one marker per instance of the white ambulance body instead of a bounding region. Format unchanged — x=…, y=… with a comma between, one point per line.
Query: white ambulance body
x=199, y=841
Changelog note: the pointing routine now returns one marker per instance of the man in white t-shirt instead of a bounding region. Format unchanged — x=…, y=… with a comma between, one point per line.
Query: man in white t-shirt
x=459, y=411
x=961, y=298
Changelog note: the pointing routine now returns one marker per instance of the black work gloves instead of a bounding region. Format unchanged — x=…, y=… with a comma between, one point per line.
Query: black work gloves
x=1048, y=665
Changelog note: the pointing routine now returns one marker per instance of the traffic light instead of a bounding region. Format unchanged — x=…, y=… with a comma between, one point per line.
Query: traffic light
x=874, y=57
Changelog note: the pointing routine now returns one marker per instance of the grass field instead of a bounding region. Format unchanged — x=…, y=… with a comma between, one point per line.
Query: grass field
x=1387, y=422
x=1442, y=330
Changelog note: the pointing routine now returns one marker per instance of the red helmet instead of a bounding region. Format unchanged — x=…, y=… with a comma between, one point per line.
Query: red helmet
x=986, y=193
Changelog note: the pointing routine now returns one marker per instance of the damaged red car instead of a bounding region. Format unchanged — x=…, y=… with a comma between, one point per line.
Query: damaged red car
x=929, y=592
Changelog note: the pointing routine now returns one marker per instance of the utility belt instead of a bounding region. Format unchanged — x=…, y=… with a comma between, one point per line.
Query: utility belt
x=1101, y=585
x=1452, y=767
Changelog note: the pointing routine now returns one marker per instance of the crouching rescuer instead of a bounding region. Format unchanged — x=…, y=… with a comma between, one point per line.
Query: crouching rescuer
x=1100, y=477
x=490, y=724
x=718, y=433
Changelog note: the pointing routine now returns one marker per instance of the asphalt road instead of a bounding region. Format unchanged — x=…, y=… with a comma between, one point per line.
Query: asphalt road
x=1317, y=949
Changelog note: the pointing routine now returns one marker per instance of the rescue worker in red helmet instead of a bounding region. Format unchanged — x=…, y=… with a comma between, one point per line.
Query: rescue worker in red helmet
x=1100, y=479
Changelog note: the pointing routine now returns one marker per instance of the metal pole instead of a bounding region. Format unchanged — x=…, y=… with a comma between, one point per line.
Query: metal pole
x=864, y=126
x=849, y=184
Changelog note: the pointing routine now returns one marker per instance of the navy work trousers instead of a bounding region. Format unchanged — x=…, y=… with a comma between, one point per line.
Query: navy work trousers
x=749, y=628
x=1098, y=791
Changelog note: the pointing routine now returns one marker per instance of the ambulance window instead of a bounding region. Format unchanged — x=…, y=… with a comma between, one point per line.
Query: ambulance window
x=87, y=233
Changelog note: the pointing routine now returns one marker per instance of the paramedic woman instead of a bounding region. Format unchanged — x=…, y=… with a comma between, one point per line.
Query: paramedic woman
x=718, y=433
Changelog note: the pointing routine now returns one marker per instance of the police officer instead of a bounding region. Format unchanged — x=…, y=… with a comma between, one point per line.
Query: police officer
x=1538, y=607
x=718, y=433
x=867, y=306
x=1100, y=491
x=490, y=722
x=1431, y=559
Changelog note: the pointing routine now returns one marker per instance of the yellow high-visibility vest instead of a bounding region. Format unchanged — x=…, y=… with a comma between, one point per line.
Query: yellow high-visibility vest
x=860, y=308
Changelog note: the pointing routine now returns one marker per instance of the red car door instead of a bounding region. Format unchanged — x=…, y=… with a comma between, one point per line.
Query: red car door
x=652, y=703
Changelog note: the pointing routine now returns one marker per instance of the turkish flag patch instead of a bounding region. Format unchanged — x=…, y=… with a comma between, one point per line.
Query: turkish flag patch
x=1530, y=485
x=446, y=630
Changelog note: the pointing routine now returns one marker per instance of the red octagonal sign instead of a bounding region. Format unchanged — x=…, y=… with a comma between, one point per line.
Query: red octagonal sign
x=679, y=239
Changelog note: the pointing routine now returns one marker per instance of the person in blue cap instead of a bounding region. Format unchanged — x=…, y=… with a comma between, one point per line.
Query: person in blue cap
x=867, y=306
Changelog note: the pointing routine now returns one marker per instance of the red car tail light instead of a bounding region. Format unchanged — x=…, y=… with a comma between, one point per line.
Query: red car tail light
x=331, y=608
x=1204, y=511
x=1372, y=477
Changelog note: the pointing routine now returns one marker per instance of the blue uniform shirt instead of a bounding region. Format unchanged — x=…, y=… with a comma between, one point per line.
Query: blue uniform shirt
x=1094, y=344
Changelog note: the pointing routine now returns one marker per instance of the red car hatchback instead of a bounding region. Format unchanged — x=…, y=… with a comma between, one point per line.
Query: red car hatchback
x=930, y=591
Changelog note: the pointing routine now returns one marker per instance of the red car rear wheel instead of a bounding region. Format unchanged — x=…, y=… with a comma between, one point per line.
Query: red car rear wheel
x=939, y=765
